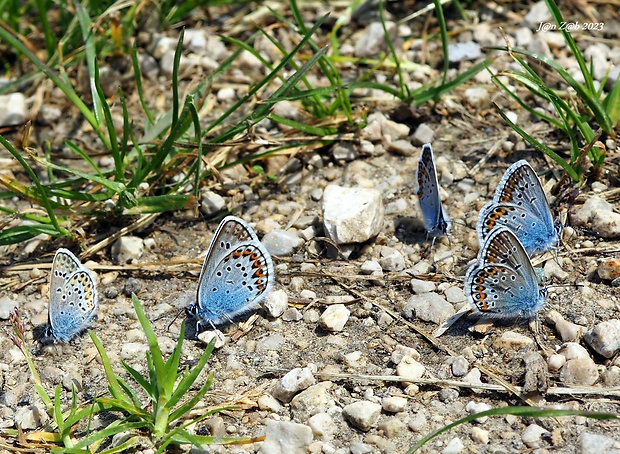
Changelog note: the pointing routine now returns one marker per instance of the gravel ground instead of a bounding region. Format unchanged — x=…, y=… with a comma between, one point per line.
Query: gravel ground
x=317, y=369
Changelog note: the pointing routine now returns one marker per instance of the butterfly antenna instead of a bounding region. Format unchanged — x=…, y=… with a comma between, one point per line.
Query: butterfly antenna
x=174, y=319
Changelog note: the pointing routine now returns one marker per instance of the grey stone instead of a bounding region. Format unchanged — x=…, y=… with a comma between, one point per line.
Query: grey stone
x=211, y=203
x=458, y=52
x=391, y=259
x=294, y=381
x=362, y=414
x=590, y=443
x=372, y=40
x=315, y=399
x=282, y=242
x=284, y=437
x=604, y=338
x=429, y=307
x=12, y=109
x=423, y=134
x=335, y=317
x=352, y=215
x=127, y=249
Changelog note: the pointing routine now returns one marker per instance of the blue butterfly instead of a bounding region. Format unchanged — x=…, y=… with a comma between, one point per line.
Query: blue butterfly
x=237, y=274
x=436, y=220
x=520, y=205
x=503, y=283
x=73, y=298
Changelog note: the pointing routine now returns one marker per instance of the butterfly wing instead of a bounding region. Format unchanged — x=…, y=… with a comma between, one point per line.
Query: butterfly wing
x=73, y=299
x=436, y=220
x=503, y=283
x=521, y=186
x=237, y=273
x=531, y=230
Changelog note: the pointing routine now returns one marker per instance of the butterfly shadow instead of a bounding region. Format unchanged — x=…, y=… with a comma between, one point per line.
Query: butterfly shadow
x=410, y=230
x=194, y=326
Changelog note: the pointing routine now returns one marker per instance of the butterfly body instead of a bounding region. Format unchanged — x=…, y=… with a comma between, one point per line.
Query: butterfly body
x=73, y=298
x=436, y=221
x=503, y=283
x=236, y=275
x=520, y=205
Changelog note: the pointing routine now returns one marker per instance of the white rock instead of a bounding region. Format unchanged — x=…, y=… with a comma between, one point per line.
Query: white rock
x=271, y=343
x=213, y=335
x=477, y=97
x=400, y=351
x=604, y=338
x=282, y=242
x=13, y=109
x=512, y=340
x=554, y=271
x=352, y=215
x=572, y=350
x=372, y=40
x=568, y=331
x=211, y=203
x=133, y=350
x=127, y=249
x=371, y=267
x=454, y=446
x=390, y=129
x=391, y=259
x=30, y=417
x=556, y=362
x=354, y=359
x=590, y=443
x=582, y=215
x=609, y=269
x=474, y=377
x=532, y=435
x=523, y=36
x=458, y=52
x=335, y=317
x=419, y=286
x=459, y=366
x=311, y=401
x=401, y=147
x=423, y=134
x=162, y=45
x=276, y=303
x=344, y=151
x=394, y=404
x=410, y=368
x=267, y=402
x=7, y=305
x=477, y=407
x=454, y=294
x=363, y=414
x=322, y=426
x=429, y=307
x=538, y=13
x=581, y=371
x=284, y=437
x=226, y=94
x=294, y=381
x=479, y=435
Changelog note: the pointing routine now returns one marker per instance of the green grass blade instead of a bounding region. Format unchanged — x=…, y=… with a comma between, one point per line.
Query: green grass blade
x=143, y=382
x=611, y=103
x=91, y=62
x=172, y=365
x=175, y=78
x=33, y=177
x=541, y=147
x=21, y=233
x=424, y=94
x=187, y=406
x=61, y=82
x=188, y=380
x=48, y=34
x=443, y=29
x=517, y=411
x=572, y=45
x=115, y=388
x=156, y=356
x=139, y=86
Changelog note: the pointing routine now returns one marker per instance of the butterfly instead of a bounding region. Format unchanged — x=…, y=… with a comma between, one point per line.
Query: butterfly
x=236, y=275
x=520, y=204
x=73, y=298
x=503, y=282
x=436, y=220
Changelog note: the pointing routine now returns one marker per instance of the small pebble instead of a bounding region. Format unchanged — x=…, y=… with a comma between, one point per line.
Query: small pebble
x=127, y=249
x=419, y=286
x=394, y=404
x=454, y=446
x=477, y=407
x=290, y=384
x=479, y=435
x=581, y=371
x=512, y=340
x=604, y=338
x=609, y=269
x=285, y=437
x=362, y=415
x=276, y=303
x=335, y=317
x=410, y=368
x=429, y=307
x=532, y=436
